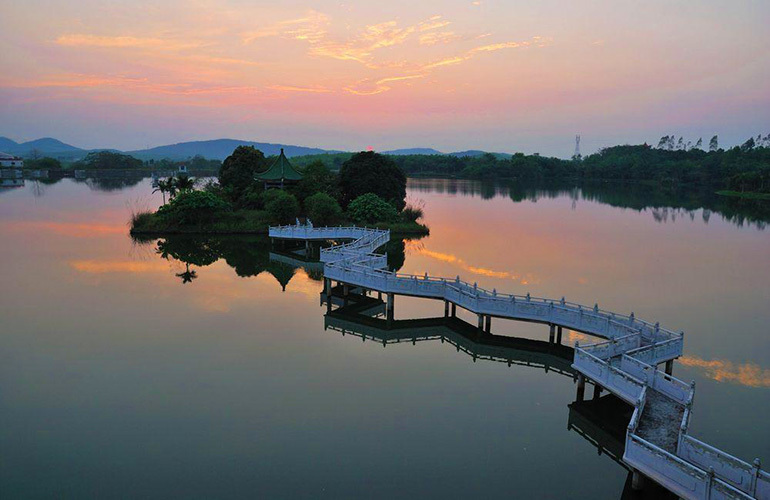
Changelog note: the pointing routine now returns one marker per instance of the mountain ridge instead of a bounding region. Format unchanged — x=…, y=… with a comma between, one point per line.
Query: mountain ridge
x=215, y=149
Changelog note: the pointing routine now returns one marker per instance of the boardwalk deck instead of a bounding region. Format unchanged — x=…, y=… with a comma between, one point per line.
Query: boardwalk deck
x=625, y=362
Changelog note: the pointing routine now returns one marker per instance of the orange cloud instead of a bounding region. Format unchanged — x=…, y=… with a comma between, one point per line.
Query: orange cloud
x=290, y=88
x=748, y=374
x=124, y=42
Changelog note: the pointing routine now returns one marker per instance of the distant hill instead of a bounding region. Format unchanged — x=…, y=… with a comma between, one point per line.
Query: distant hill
x=219, y=149
x=413, y=151
x=44, y=146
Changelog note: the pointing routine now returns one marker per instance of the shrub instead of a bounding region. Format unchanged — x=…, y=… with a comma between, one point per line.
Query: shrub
x=413, y=212
x=370, y=208
x=194, y=207
x=322, y=209
x=282, y=207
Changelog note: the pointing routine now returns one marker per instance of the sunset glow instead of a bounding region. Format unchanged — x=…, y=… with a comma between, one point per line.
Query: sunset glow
x=503, y=76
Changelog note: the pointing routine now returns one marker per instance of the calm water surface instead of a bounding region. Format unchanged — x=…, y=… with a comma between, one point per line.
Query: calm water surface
x=120, y=379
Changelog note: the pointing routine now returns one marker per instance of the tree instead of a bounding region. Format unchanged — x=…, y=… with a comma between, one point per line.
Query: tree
x=370, y=208
x=184, y=183
x=699, y=144
x=104, y=160
x=238, y=170
x=163, y=187
x=322, y=209
x=370, y=172
x=714, y=144
x=748, y=145
x=317, y=178
x=282, y=207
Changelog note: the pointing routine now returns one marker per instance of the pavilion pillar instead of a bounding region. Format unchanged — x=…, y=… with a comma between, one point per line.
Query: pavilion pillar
x=446, y=308
x=481, y=322
x=454, y=310
x=558, y=335
x=552, y=333
x=581, y=386
x=597, y=391
x=389, y=306
x=488, y=326
x=670, y=367
x=345, y=292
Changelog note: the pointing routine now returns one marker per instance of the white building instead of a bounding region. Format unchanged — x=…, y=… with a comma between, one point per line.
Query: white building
x=10, y=161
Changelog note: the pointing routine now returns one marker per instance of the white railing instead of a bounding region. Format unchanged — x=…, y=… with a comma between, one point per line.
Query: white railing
x=625, y=364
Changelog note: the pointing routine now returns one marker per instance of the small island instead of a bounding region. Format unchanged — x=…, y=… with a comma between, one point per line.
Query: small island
x=254, y=192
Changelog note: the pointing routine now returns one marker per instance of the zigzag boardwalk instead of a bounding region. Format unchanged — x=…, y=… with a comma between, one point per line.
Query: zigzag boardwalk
x=625, y=362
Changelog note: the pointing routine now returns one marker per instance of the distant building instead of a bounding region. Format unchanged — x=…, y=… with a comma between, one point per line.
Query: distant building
x=183, y=170
x=280, y=173
x=10, y=161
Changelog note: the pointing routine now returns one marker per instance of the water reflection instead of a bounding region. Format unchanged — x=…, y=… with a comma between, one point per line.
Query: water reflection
x=664, y=204
x=248, y=256
x=602, y=421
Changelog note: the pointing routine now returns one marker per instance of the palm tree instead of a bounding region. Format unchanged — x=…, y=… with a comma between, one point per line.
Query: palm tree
x=163, y=187
x=188, y=275
x=184, y=183
x=171, y=187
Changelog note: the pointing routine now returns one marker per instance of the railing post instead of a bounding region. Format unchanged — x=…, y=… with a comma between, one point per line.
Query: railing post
x=757, y=466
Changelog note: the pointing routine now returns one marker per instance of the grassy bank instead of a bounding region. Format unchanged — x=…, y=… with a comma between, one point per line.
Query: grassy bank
x=746, y=196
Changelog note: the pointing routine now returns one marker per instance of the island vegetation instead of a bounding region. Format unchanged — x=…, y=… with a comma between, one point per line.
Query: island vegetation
x=370, y=189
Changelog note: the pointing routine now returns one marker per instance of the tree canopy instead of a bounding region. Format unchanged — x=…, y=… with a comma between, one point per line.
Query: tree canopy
x=103, y=160
x=237, y=171
x=370, y=172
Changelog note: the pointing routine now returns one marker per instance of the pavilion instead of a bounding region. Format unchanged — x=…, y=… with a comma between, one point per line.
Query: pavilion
x=280, y=173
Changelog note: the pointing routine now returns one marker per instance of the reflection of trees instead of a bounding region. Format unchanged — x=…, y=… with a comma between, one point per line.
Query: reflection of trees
x=248, y=255
x=111, y=183
x=666, y=202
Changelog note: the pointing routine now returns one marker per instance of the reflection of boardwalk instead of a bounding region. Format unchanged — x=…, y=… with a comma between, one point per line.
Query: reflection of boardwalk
x=463, y=336
x=626, y=363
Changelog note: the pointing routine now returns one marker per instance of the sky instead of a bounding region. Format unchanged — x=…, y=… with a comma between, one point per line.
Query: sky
x=496, y=75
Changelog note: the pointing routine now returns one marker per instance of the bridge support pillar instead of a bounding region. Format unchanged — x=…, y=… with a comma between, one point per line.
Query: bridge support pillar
x=558, y=335
x=454, y=310
x=581, y=386
x=637, y=480
x=345, y=292
x=597, y=391
x=389, y=307
x=552, y=333
x=307, y=248
x=446, y=308
x=328, y=290
x=379, y=295
x=670, y=366
x=488, y=326
x=481, y=322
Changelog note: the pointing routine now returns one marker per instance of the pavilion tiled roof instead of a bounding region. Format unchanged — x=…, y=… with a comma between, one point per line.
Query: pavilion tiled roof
x=281, y=169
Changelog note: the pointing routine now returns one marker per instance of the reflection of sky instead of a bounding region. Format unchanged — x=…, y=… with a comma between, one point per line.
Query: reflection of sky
x=230, y=377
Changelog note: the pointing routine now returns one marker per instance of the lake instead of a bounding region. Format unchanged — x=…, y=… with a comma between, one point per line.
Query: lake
x=201, y=368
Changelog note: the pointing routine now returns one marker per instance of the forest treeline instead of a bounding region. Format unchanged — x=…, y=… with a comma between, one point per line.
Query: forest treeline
x=744, y=168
